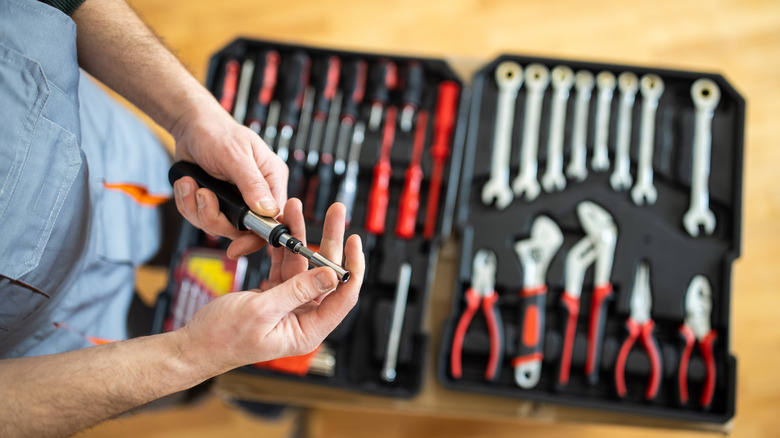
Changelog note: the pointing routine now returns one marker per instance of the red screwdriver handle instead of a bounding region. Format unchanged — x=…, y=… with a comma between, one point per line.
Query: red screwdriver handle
x=410, y=196
x=229, y=85
x=379, y=195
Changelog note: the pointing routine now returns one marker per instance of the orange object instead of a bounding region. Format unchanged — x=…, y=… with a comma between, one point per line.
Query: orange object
x=140, y=194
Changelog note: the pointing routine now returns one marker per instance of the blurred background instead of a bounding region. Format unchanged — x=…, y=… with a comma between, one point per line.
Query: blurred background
x=739, y=39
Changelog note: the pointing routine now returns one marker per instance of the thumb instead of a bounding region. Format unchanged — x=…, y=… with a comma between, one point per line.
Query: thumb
x=302, y=288
x=255, y=189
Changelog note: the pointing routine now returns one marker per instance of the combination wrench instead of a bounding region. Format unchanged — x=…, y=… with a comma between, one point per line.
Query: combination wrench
x=605, y=82
x=621, y=175
x=536, y=79
x=509, y=78
x=652, y=87
x=562, y=81
x=706, y=95
x=583, y=84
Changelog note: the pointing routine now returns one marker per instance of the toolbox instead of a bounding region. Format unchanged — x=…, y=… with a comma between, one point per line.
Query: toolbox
x=597, y=208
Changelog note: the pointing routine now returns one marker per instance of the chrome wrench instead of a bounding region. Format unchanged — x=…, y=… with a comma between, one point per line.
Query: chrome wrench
x=562, y=79
x=652, y=87
x=605, y=82
x=536, y=79
x=621, y=175
x=706, y=95
x=509, y=77
x=578, y=169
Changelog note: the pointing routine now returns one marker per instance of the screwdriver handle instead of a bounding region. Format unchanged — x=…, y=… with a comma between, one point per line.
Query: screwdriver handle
x=379, y=195
x=229, y=85
x=264, y=83
x=410, y=196
x=326, y=73
x=354, y=87
x=413, y=84
x=296, y=73
x=384, y=77
x=231, y=203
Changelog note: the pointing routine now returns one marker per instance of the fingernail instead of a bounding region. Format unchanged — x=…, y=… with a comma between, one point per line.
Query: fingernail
x=184, y=189
x=324, y=282
x=269, y=204
x=199, y=200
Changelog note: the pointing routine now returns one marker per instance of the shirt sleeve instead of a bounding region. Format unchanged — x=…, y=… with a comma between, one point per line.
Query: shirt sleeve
x=66, y=6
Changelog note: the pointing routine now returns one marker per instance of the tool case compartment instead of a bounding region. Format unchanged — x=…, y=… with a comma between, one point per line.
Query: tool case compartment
x=654, y=234
x=357, y=349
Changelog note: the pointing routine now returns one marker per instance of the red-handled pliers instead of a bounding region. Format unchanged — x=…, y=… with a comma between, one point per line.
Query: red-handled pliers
x=697, y=329
x=482, y=293
x=640, y=326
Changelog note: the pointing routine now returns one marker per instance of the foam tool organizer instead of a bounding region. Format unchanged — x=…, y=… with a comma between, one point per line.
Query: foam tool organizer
x=600, y=210
x=378, y=134
x=598, y=213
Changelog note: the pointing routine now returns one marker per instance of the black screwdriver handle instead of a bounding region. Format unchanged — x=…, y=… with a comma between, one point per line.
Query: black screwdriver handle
x=230, y=201
x=296, y=73
x=263, y=86
x=384, y=77
x=414, y=82
x=326, y=82
x=353, y=87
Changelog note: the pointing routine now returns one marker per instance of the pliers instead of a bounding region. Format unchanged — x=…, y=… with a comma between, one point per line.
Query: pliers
x=482, y=293
x=640, y=326
x=697, y=329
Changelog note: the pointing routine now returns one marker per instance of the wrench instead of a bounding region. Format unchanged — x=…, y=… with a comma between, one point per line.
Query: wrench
x=535, y=255
x=605, y=81
x=652, y=87
x=706, y=95
x=509, y=77
x=562, y=80
x=621, y=176
x=537, y=78
x=583, y=83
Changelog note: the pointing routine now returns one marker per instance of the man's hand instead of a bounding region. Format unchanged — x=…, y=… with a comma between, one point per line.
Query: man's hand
x=292, y=317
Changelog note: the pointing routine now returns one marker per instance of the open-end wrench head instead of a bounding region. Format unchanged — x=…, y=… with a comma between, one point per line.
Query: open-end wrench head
x=698, y=217
x=705, y=94
x=537, y=77
x=509, y=75
x=641, y=297
x=644, y=193
x=538, y=250
x=579, y=258
x=698, y=306
x=484, y=272
x=527, y=374
x=498, y=193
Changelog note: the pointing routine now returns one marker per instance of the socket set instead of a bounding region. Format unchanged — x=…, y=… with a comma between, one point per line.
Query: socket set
x=600, y=213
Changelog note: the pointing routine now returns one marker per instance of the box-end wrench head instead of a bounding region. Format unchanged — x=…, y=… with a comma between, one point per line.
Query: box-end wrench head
x=706, y=95
x=652, y=87
x=509, y=78
x=537, y=77
x=605, y=82
x=628, y=84
x=583, y=84
x=562, y=79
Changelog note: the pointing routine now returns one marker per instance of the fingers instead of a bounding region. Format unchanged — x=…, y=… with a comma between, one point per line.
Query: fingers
x=201, y=208
x=332, y=243
x=285, y=264
x=263, y=186
x=299, y=290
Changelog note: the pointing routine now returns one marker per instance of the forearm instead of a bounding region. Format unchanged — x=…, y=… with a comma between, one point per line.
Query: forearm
x=60, y=394
x=116, y=47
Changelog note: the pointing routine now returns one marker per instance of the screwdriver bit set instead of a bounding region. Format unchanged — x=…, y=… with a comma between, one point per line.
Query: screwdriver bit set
x=599, y=213
x=378, y=134
x=597, y=207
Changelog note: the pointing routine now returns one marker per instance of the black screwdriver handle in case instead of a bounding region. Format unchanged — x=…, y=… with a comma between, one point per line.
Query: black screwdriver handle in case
x=296, y=74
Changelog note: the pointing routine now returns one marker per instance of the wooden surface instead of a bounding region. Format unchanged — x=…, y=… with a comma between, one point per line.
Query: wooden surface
x=740, y=39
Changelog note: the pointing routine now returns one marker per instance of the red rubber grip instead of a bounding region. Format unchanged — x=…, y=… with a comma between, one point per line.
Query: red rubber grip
x=572, y=306
x=655, y=360
x=488, y=307
x=682, y=374
x=269, y=77
x=229, y=85
x=410, y=196
x=706, y=348
x=472, y=302
x=595, y=329
x=379, y=195
x=620, y=364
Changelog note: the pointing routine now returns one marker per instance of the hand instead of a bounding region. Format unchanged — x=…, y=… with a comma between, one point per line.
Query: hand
x=208, y=136
x=290, y=318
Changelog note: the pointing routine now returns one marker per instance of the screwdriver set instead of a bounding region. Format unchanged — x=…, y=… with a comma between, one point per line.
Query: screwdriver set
x=597, y=207
x=599, y=213
x=378, y=134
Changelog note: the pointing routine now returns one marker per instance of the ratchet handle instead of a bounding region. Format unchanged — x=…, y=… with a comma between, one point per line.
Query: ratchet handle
x=532, y=308
x=571, y=307
x=598, y=317
x=231, y=203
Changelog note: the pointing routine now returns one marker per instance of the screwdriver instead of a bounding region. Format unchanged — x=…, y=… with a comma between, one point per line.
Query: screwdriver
x=227, y=94
x=414, y=82
x=238, y=213
x=353, y=85
x=384, y=77
x=264, y=83
x=297, y=79
x=327, y=73
x=410, y=196
x=242, y=93
x=296, y=180
x=319, y=193
x=446, y=108
x=348, y=188
x=379, y=195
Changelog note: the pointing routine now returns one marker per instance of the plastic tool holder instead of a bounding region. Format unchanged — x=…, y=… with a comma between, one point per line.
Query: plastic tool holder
x=654, y=235
x=386, y=126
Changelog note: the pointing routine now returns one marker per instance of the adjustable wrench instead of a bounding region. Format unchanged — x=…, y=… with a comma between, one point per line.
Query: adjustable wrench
x=509, y=77
x=536, y=79
x=562, y=81
x=621, y=176
x=605, y=81
x=583, y=83
x=652, y=87
x=706, y=95
x=535, y=254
